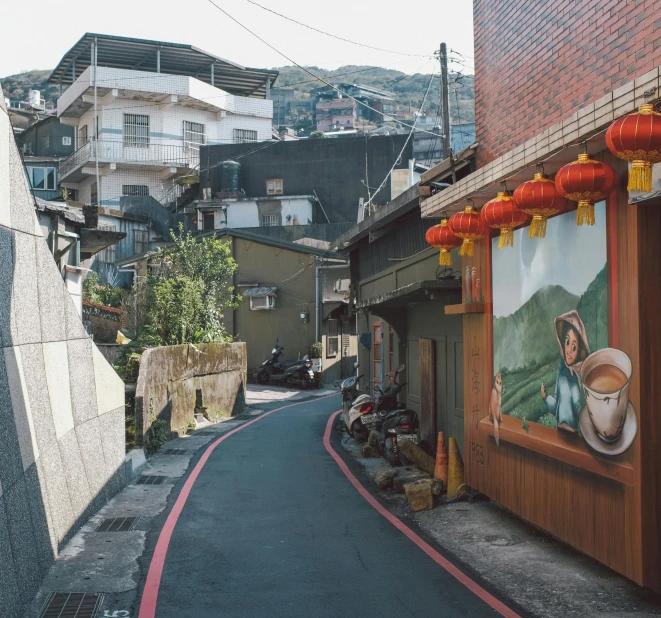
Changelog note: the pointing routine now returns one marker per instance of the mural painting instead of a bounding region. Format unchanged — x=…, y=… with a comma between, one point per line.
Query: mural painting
x=551, y=357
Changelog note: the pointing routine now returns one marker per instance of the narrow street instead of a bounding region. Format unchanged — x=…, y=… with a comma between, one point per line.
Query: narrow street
x=273, y=527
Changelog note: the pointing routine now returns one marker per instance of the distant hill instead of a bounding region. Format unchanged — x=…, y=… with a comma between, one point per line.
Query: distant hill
x=408, y=89
x=16, y=87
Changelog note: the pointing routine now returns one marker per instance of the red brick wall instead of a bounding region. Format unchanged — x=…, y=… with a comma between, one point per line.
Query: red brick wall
x=538, y=62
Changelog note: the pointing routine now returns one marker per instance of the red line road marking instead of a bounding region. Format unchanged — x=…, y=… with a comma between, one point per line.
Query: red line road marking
x=461, y=577
x=153, y=583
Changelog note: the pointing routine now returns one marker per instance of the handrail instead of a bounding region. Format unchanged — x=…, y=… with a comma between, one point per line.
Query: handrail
x=121, y=151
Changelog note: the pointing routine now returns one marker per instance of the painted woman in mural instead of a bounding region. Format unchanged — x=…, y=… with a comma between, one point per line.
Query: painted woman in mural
x=572, y=340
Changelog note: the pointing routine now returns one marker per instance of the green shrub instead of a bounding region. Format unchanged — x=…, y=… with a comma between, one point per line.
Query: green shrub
x=157, y=435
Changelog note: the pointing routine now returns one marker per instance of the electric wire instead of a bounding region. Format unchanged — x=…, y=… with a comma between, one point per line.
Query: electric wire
x=258, y=37
x=339, y=38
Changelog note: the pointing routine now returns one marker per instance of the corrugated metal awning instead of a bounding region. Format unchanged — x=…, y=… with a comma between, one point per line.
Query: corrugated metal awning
x=264, y=291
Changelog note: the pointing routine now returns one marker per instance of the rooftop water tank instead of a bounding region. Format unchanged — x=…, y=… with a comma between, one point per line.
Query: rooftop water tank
x=229, y=177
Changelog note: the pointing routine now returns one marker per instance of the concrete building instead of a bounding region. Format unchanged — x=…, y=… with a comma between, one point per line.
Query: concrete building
x=43, y=145
x=335, y=114
x=142, y=109
x=341, y=174
x=255, y=212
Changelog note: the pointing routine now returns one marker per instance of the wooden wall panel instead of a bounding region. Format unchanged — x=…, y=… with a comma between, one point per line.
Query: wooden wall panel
x=597, y=515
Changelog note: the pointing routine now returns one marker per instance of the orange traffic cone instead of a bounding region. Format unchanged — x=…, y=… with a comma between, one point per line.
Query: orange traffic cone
x=441, y=467
x=455, y=468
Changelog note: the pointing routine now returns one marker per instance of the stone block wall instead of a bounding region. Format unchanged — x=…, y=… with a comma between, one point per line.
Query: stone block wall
x=171, y=376
x=62, y=446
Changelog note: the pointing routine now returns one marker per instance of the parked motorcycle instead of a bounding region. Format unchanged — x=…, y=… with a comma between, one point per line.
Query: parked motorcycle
x=294, y=373
x=355, y=407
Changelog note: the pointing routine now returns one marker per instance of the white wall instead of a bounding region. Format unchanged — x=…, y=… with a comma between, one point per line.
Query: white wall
x=245, y=213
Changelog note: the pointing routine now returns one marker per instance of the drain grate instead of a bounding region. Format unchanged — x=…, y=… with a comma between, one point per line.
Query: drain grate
x=71, y=605
x=174, y=451
x=151, y=480
x=118, y=524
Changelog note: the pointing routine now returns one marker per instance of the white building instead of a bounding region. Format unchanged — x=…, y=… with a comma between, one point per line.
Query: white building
x=255, y=211
x=153, y=104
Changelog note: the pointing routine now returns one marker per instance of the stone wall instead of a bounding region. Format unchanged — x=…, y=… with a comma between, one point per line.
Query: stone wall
x=106, y=321
x=62, y=446
x=171, y=376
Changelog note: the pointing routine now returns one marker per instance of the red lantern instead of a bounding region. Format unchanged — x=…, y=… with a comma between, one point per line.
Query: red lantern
x=442, y=237
x=540, y=199
x=585, y=181
x=469, y=227
x=502, y=213
x=637, y=138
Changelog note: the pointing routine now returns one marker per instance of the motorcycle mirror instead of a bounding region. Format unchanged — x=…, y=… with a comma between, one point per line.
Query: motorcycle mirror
x=401, y=368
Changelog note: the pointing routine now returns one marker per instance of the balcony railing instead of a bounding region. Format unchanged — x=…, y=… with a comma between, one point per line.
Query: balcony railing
x=116, y=151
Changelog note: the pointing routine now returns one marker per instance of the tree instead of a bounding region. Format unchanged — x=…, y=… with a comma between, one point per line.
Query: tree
x=317, y=135
x=187, y=290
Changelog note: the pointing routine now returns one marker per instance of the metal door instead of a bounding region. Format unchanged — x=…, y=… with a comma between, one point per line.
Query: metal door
x=427, y=390
x=455, y=391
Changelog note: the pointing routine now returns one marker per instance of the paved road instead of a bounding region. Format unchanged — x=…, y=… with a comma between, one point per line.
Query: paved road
x=272, y=527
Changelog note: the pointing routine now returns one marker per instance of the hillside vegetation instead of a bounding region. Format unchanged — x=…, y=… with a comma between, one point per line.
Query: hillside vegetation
x=408, y=89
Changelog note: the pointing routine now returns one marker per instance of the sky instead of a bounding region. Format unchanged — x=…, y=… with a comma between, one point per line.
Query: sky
x=378, y=23
x=569, y=256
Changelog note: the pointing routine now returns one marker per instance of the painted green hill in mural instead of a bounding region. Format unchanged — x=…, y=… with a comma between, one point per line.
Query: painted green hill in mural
x=526, y=351
x=525, y=339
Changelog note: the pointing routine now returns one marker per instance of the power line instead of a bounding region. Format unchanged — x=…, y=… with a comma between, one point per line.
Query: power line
x=323, y=81
x=339, y=38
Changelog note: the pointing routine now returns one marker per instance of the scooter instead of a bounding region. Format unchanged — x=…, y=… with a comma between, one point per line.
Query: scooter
x=290, y=372
x=355, y=407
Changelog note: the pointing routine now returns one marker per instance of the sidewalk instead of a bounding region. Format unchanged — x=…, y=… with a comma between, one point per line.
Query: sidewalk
x=541, y=574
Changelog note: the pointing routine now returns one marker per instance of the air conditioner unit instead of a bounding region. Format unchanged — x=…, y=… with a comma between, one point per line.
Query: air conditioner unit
x=342, y=286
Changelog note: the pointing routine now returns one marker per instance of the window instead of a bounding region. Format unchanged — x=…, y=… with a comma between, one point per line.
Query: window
x=274, y=186
x=133, y=190
x=259, y=303
x=66, y=141
x=193, y=135
x=43, y=178
x=209, y=221
x=270, y=220
x=333, y=335
x=94, y=194
x=244, y=136
x=377, y=351
x=140, y=242
x=136, y=130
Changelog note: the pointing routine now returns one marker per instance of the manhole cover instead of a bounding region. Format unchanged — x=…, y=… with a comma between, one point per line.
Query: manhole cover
x=174, y=451
x=118, y=524
x=72, y=605
x=151, y=480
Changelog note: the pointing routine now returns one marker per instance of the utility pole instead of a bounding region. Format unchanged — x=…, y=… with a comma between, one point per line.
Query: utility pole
x=445, y=100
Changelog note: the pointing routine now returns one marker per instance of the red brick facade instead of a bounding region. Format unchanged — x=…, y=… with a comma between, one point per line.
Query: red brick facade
x=538, y=62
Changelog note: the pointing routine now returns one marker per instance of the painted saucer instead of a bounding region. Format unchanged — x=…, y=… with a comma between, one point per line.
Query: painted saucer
x=625, y=440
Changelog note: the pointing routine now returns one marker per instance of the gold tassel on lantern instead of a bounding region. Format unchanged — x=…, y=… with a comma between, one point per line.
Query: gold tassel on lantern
x=640, y=176
x=445, y=258
x=467, y=248
x=506, y=237
x=585, y=213
x=537, y=227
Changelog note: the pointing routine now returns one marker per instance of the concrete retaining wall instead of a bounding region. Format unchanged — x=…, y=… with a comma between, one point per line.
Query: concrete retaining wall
x=170, y=377
x=62, y=446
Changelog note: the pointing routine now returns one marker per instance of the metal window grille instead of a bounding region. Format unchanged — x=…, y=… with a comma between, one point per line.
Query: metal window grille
x=269, y=220
x=136, y=130
x=243, y=136
x=140, y=242
x=82, y=136
x=133, y=190
x=194, y=135
x=209, y=221
x=274, y=186
x=333, y=333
